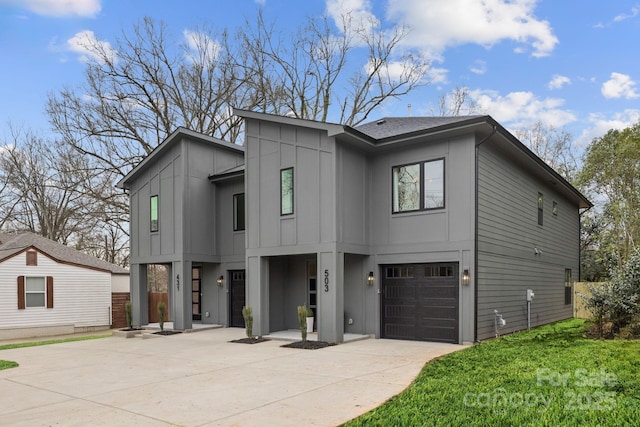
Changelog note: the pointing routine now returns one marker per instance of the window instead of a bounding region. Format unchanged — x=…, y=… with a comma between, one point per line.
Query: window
x=35, y=291
x=154, y=213
x=32, y=257
x=567, y=286
x=418, y=186
x=555, y=208
x=286, y=191
x=399, y=272
x=540, y=211
x=238, y=212
x=438, y=271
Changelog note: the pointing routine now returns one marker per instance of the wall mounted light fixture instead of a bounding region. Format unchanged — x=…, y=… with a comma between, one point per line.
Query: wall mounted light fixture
x=220, y=281
x=371, y=279
x=465, y=276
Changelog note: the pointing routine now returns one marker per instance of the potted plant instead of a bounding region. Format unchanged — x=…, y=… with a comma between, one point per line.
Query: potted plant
x=247, y=314
x=129, y=313
x=162, y=309
x=309, y=320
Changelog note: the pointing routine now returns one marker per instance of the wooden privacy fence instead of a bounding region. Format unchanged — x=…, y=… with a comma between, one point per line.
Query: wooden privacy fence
x=154, y=299
x=579, y=310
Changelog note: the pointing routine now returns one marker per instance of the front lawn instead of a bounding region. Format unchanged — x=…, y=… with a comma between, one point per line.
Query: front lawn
x=551, y=375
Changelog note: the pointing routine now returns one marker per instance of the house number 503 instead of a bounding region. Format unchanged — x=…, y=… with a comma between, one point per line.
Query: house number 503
x=326, y=280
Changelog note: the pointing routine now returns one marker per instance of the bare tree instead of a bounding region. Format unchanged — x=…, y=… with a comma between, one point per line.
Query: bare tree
x=309, y=75
x=458, y=102
x=554, y=146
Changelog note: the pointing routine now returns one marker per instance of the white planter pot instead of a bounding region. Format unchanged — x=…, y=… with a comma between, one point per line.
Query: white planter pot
x=309, y=325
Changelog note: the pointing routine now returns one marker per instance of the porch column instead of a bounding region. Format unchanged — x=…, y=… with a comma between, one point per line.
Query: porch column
x=257, y=292
x=181, y=303
x=138, y=294
x=331, y=296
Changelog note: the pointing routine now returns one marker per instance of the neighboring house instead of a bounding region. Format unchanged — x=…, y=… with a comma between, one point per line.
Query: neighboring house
x=50, y=289
x=411, y=228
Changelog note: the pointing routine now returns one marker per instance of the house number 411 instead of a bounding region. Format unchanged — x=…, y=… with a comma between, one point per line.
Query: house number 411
x=326, y=280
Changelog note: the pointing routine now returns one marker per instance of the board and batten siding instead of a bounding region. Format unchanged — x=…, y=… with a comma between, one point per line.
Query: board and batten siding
x=82, y=296
x=508, y=235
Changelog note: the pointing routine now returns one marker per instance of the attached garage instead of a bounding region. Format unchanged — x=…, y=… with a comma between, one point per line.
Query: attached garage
x=420, y=302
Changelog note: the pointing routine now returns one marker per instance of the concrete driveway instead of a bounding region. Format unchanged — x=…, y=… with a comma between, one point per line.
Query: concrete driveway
x=201, y=379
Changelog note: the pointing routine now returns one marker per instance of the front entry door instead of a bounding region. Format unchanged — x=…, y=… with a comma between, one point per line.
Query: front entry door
x=196, y=291
x=236, y=298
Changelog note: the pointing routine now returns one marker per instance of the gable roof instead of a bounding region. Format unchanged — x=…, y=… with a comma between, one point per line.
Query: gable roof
x=175, y=136
x=16, y=243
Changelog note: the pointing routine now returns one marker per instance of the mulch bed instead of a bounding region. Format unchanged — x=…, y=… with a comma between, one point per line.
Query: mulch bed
x=167, y=332
x=131, y=329
x=309, y=345
x=252, y=340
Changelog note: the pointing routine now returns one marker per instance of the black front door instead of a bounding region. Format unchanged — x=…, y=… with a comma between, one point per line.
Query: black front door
x=196, y=292
x=236, y=298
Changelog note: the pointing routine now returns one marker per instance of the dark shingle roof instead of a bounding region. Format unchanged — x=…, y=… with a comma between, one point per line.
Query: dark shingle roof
x=389, y=127
x=14, y=243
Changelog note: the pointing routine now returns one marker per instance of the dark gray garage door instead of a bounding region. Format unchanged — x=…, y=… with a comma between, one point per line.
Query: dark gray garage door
x=420, y=302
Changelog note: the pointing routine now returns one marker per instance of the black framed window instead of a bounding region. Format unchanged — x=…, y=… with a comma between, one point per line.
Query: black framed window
x=238, y=212
x=286, y=191
x=418, y=186
x=568, y=289
x=154, y=213
x=540, y=209
x=555, y=208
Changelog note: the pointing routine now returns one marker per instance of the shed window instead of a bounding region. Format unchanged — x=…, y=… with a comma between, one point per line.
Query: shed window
x=238, y=212
x=418, y=186
x=540, y=209
x=35, y=291
x=154, y=213
x=286, y=191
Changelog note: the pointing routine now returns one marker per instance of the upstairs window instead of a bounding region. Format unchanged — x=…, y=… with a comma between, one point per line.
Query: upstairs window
x=238, y=212
x=418, y=186
x=154, y=213
x=540, y=210
x=555, y=208
x=286, y=191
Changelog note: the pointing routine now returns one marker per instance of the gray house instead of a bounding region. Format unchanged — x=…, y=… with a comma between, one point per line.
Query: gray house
x=412, y=228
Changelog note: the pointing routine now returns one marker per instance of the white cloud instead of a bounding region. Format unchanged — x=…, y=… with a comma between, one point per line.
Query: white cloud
x=518, y=109
x=557, y=81
x=261, y=2
x=624, y=16
x=619, y=86
x=89, y=48
x=358, y=13
x=599, y=125
x=202, y=49
x=444, y=23
x=478, y=67
x=60, y=8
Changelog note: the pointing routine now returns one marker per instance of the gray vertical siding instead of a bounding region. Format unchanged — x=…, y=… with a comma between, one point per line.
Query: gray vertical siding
x=508, y=232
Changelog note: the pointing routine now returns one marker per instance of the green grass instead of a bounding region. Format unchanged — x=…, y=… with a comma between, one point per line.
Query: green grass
x=6, y=364
x=548, y=376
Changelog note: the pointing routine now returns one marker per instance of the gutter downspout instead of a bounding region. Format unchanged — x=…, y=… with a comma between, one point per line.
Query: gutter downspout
x=475, y=240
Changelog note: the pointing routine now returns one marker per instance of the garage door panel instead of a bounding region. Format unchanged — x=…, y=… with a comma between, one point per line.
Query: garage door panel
x=424, y=307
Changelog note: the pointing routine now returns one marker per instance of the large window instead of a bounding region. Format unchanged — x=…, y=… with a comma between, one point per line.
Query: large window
x=154, y=213
x=567, y=286
x=286, y=191
x=238, y=212
x=35, y=291
x=418, y=186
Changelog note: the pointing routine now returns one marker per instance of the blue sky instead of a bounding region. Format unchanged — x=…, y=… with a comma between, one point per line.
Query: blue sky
x=573, y=64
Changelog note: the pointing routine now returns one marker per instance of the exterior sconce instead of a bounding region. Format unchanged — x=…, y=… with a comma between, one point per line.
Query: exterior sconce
x=465, y=276
x=220, y=281
x=371, y=279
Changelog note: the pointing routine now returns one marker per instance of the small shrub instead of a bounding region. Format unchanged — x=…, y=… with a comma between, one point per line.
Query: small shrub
x=162, y=310
x=247, y=314
x=128, y=310
x=302, y=320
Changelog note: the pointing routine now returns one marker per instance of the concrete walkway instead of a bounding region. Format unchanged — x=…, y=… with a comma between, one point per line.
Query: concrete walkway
x=201, y=379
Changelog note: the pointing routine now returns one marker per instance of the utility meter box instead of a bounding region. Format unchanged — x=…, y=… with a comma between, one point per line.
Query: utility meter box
x=530, y=295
